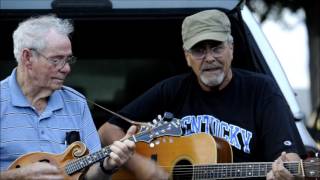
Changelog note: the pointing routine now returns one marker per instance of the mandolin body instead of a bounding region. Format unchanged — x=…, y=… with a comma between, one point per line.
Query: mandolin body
x=76, y=158
x=75, y=150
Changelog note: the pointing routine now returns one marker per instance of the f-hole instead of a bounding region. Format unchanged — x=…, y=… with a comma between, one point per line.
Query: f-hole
x=182, y=170
x=44, y=160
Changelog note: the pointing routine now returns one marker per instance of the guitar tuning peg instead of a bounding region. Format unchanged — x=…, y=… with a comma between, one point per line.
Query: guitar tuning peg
x=164, y=140
x=157, y=142
x=154, y=121
x=150, y=124
x=170, y=140
x=167, y=116
x=159, y=117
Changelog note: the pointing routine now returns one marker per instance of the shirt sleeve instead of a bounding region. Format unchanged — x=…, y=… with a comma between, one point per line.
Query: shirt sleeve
x=279, y=132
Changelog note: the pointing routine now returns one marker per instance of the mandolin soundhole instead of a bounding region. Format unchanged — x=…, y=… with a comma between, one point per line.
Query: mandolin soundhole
x=182, y=170
x=44, y=160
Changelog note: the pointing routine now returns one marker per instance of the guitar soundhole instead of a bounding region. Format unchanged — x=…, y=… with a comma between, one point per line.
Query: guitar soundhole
x=182, y=170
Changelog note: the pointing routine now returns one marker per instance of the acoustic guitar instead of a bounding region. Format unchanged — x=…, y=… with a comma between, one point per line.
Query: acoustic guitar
x=201, y=156
x=76, y=158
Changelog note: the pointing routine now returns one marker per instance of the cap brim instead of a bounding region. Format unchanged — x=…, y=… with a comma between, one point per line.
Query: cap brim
x=216, y=36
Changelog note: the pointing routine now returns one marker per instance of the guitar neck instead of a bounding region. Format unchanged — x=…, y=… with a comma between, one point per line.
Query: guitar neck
x=240, y=170
x=86, y=161
x=165, y=128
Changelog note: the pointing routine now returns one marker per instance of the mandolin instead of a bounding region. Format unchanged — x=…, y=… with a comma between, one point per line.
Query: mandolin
x=76, y=158
x=201, y=156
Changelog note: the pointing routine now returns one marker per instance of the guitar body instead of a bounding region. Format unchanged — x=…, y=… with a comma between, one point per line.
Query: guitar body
x=75, y=150
x=174, y=152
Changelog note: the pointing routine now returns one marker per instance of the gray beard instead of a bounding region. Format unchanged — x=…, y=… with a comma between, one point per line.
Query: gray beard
x=212, y=81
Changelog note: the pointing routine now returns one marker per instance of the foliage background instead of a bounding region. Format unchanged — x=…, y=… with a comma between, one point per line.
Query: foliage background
x=266, y=8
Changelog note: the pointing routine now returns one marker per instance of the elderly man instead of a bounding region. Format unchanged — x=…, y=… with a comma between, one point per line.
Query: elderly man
x=38, y=113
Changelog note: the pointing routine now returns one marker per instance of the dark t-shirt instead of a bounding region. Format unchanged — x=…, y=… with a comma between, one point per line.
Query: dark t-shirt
x=250, y=113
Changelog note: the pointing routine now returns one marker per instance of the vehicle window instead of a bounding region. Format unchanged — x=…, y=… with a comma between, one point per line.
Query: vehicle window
x=121, y=56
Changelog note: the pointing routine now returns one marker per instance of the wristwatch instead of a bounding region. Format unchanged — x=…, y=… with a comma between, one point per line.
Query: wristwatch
x=108, y=171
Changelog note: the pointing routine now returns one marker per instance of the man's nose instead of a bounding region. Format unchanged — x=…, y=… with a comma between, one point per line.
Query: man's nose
x=209, y=55
x=65, y=68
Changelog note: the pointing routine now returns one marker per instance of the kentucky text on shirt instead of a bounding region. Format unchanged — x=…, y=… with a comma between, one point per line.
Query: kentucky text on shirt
x=211, y=125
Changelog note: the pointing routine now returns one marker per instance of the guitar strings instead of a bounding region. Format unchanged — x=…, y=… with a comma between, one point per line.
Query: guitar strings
x=305, y=164
x=189, y=169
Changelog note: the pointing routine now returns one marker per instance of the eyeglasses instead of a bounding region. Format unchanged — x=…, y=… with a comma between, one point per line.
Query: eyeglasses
x=201, y=51
x=58, y=62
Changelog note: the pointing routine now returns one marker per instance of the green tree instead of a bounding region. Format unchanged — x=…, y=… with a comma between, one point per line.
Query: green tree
x=265, y=8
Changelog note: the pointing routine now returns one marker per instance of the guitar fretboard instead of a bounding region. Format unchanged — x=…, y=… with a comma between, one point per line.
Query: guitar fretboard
x=172, y=128
x=85, y=161
x=239, y=170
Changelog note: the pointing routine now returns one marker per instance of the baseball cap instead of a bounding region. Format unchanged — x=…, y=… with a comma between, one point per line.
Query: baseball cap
x=205, y=25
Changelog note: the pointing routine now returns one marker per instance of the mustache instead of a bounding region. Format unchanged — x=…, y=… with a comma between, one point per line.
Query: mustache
x=211, y=66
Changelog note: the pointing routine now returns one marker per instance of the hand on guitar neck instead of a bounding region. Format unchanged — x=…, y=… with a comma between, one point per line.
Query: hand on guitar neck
x=139, y=165
x=115, y=161
x=278, y=170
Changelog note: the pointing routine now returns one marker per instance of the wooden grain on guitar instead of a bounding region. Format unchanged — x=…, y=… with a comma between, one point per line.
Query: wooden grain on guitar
x=174, y=152
x=76, y=149
x=76, y=158
x=200, y=156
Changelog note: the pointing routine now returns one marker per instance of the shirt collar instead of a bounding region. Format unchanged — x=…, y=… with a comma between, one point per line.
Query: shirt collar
x=19, y=99
x=55, y=101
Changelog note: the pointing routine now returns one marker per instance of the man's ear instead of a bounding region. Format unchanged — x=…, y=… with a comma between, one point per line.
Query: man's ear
x=188, y=58
x=26, y=56
x=231, y=46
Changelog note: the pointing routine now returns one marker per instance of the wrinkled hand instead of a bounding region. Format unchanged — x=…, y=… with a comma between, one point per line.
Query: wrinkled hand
x=278, y=170
x=121, y=151
x=39, y=171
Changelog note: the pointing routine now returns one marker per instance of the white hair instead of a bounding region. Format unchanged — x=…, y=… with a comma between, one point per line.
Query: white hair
x=229, y=39
x=31, y=32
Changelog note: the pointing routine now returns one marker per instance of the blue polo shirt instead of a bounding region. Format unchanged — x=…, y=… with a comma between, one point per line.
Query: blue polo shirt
x=24, y=130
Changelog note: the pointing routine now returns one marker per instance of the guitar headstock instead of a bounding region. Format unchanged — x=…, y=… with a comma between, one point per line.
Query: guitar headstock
x=312, y=167
x=160, y=128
